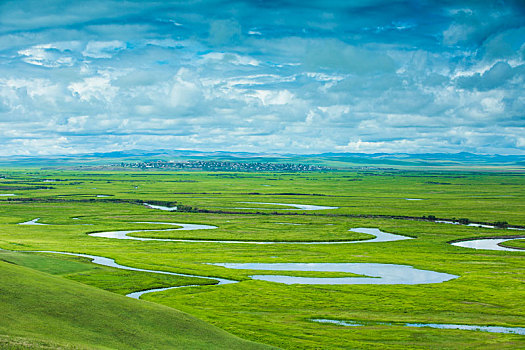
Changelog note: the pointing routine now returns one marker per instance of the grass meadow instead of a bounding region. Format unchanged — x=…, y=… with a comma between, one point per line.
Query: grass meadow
x=490, y=289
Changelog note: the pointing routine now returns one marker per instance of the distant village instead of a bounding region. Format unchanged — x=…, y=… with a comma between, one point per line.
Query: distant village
x=222, y=166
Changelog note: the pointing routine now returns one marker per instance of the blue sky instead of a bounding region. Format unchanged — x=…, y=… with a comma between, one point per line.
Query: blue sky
x=262, y=76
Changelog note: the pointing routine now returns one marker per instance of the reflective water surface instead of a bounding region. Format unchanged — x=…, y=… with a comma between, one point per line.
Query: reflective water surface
x=99, y=260
x=488, y=244
x=31, y=222
x=160, y=207
x=378, y=273
x=472, y=224
x=380, y=236
x=491, y=329
x=124, y=234
x=295, y=206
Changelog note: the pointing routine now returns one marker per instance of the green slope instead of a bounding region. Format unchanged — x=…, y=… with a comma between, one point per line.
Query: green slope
x=45, y=311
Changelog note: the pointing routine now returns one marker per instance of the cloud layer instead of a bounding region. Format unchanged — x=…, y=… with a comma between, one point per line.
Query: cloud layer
x=262, y=76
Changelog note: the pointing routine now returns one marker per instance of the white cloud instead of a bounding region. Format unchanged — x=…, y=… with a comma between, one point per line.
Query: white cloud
x=103, y=49
x=47, y=55
x=456, y=33
x=312, y=78
x=232, y=58
x=492, y=105
x=186, y=90
x=335, y=112
x=40, y=146
x=270, y=97
x=77, y=123
x=94, y=88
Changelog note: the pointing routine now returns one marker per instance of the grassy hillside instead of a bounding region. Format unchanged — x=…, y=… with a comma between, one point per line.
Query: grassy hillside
x=40, y=310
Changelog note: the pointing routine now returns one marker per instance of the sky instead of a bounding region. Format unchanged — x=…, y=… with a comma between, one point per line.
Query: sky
x=283, y=76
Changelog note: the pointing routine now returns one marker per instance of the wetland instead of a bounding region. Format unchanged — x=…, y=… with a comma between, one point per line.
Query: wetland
x=309, y=246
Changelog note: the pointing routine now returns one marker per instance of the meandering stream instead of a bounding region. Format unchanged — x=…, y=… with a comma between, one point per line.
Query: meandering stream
x=379, y=273
x=100, y=260
x=376, y=273
x=295, y=206
x=160, y=207
x=490, y=329
x=488, y=244
x=32, y=222
x=380, y=236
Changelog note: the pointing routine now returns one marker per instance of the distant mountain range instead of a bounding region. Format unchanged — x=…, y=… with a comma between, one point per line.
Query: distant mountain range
x=333, y=160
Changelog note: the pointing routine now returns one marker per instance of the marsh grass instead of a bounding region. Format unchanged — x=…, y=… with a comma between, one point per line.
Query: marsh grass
x=489, y=290
x=518, y=243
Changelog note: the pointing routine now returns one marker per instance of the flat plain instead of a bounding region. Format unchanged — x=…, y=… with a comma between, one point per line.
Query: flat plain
x=249, y=208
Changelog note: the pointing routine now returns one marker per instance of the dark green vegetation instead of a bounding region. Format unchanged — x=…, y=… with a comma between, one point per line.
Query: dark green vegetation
x=490, y=290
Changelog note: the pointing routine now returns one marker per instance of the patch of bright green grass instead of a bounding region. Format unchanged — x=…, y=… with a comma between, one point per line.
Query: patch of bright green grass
x=45, y=263
x=52, y=309
x=107, y=278
x=518, y=243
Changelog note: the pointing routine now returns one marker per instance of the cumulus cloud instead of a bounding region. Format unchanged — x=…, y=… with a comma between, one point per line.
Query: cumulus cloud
x=94, y=88
x=492, y=78
x=232, y=58
x=367, y=76
x=51, y=55
x=186, y=91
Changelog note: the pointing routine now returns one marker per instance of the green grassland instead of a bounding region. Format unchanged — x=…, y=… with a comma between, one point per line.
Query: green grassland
x=519, y=243
x=489, y=291
x=40, y=310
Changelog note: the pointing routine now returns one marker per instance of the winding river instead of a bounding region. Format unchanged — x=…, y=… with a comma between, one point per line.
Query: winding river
x=380, y=236
x=473, y=224
x=379, y=273
x=160, y=207
x=375, y=273
x=294, y=206
x=488, y=244
x=100, y=260
x=31, y=222
x=490, y=329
